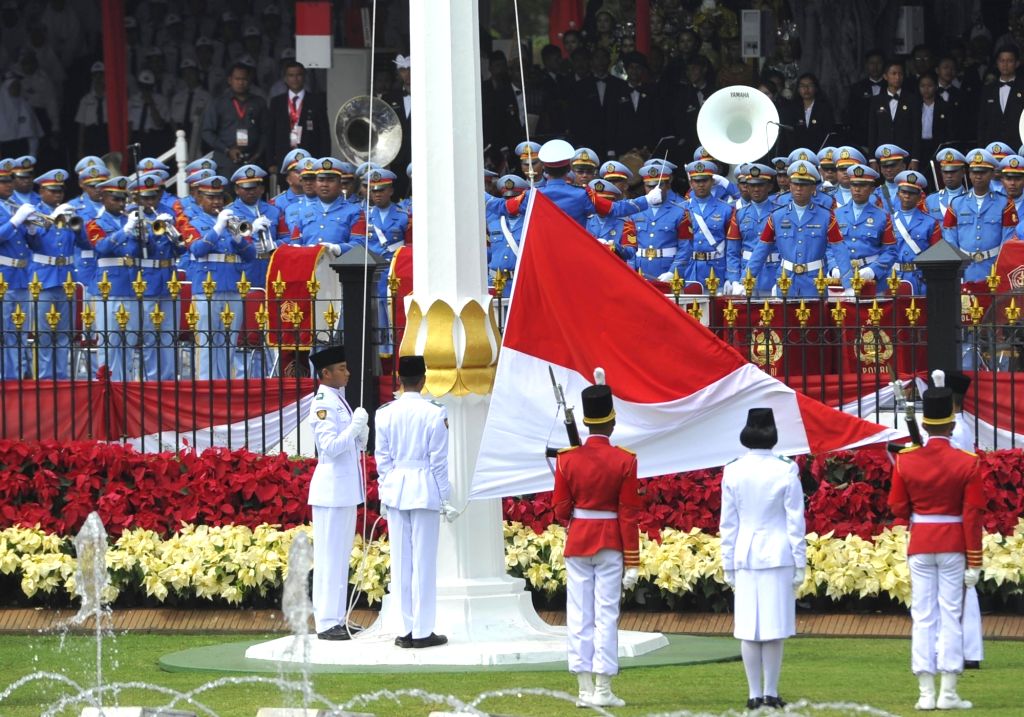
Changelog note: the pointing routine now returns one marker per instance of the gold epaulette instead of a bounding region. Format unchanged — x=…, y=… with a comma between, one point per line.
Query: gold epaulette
x=623, y=448
x=908, y=449
x=567, y=449
x=972, y=454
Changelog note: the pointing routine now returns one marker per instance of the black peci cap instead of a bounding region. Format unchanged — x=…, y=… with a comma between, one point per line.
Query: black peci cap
x=598, y=406
x=327, y=356
x=412, y=367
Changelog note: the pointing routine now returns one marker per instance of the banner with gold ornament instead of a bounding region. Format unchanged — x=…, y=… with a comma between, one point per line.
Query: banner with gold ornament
x=880, y=335
x=783, y=338
x=292, y=290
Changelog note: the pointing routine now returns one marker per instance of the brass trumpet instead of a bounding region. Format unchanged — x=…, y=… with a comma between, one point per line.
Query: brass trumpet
x=239, y=227
x=67, y=220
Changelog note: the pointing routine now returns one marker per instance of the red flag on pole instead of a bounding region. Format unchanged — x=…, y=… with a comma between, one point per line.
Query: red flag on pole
x=115, y=62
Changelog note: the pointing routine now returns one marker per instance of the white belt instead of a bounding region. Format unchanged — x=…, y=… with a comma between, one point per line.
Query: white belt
x=52, y=260
x=802, y=268
x=977, y=256
x=115, y=261
x=222, y=258
x=926, y=518
x=156, y=263
x=12, y=262
x=770, y=259
x=651, y=252
x=88, y=253
x=395, y=247
x=586, y=514
x=412, y=464
x=857, y=263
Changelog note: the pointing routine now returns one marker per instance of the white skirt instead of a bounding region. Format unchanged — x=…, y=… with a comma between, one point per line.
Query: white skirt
x=765, y=607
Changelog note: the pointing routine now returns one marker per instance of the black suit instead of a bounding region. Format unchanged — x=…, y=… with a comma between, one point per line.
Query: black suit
x=316, y=129
x=943, y=130
x=637, y=127
x=996, y=124
x=857, y=109
x=962, y=124
x=396, y=100
x=811, y=134
x=589, y=112
x=502, y=128
x=903, y=129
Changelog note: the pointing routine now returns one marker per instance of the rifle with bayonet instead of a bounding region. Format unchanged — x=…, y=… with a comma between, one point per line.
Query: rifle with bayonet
x=571, y=430
x=907, y=408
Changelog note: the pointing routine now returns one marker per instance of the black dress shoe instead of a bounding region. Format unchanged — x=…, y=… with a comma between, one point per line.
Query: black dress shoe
x=432, y=640
x=770, y=701
x=755, y=703
x=404, y=640
x=354, y=628
x=972, y=664
x=338, y=632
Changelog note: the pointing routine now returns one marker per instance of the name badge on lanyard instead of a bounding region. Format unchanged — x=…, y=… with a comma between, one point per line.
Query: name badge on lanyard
x=241, y=134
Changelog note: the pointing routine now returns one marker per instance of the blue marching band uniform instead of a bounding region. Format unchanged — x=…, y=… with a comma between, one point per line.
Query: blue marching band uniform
x=717, y=226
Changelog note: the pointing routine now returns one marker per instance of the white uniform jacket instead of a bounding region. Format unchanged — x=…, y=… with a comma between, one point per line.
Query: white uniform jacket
x=762, y=522
x=412, y=453
x=336, y=480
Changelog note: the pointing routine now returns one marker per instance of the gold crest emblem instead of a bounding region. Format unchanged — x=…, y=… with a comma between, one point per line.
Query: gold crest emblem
x=949, y=156
x=874, y=349
x=766, y=349
x=912, y=178
x=858, y=172
x=599, y=186
x=250, y=172
x=886, y=152
x=321, y=414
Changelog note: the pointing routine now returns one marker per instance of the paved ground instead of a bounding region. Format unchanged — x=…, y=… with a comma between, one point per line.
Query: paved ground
x=996, y=627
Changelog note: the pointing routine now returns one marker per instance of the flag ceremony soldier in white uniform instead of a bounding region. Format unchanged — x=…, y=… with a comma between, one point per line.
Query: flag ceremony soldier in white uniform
x=938, y=489
x=412, y=464
x=335, y=491
x=764, y=553
x=597, y=494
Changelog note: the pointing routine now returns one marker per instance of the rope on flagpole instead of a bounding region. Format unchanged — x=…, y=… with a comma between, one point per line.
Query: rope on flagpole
x=522, y=87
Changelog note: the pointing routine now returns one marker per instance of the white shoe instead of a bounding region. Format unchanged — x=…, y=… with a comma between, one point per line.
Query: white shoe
x=603, y=695
x=926, y=686
x=948, y=698
x=586, y=686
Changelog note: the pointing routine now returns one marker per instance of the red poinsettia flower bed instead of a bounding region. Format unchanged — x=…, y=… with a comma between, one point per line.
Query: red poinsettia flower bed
x=56, y=485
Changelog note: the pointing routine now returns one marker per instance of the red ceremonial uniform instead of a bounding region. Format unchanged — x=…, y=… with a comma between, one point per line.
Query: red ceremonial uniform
x=939, y=479
x=599, y=476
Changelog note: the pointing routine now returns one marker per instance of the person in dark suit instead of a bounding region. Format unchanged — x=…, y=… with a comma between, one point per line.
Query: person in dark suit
x=1002, y=102
x=937, y=118
x=399, y=98
x=814, y=118
x=947, y=89
x=298, y=118
x=636, y=114
x=894, y=116
x=861, y=94
x=501, y=124
x=556, y=88
x=592, y=99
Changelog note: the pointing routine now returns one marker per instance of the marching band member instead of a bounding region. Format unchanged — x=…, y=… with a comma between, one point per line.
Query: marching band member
x=663, y=231
x=264, y=217
x=328, y=219
x=291, y=167
x=618, y=174
x=500, y=254
x=914, y=230
x=14, y=259
x=221, y=252
x=867, y=232
x=892, y=160
x=616, y=233
x=24, y=174
x=747, y=226
x=764, y=553
x=938, y=489
x=846, y=157
x=951, y=168
x=709, y=219
x=584, y=166
x=307, y=182
x=597, y=495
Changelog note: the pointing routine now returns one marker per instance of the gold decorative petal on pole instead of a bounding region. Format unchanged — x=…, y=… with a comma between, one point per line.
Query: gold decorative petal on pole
x=18, y=317
x=174, y=286
x=820, y=282
x=278, y=286
x=784, y=283
x=803, y=314
x=4, y=286
x=439, y=351
x=875, y=313
x=767, y=314
x=157, y=316
x=35, y=287
x=122, y=316
x=139, y=285
x=912, y=312
x=893, y=281
x=53, y=317
x=104, y=286
x=712, y=283
x=331, y=316
x=730, y=313
x=476, y=375
x=227, y=316
x=209, y=285
x=69, y=287
x=243, y=285
x=262, y=317
x=192, y=317
x=695, y=311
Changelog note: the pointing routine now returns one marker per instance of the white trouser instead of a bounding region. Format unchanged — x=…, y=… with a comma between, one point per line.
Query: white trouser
x=413, y=539
x=592, y=612
x=158, y=345
x=334, y=531
x=119, y=349
x=54, y=355
x=973, y=648
x=215, y=358
x=936, y=603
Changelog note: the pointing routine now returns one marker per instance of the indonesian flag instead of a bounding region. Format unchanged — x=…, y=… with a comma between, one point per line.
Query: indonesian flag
x=313, y=38
x=681, y=394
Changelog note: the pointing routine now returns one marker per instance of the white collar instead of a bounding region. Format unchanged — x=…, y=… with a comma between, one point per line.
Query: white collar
x=410, y=396
x=297, y=95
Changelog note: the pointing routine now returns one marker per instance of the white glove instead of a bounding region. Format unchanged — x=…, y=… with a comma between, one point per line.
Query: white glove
x=972, y=576
x=737, y=289
x=360, y=419
x=654, y=197
x=629, y=578
x=667, y=276
x=383, y=511
x=866, y=273
x=332, y=249
x=260, y=224
x=23, y=213
x=730, y=578
x=132, y=223
x=364, y=438
x=835, y=273
x=448, y=512
x=798, y=577
x=164, y=217
x=720, y=180
x=65, y=208
x=222, y=221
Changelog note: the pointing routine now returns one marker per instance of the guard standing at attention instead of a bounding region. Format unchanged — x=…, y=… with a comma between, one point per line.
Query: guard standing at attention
x=597, y=494
x=336, y=490
x=938, y=489
x=412, y=464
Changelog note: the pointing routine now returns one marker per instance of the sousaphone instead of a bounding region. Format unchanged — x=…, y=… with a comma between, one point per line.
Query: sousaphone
x=738, y=124
x=368, y=132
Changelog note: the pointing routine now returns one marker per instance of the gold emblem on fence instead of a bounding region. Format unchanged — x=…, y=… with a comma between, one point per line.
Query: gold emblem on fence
x=766, y=350
x=874, y=349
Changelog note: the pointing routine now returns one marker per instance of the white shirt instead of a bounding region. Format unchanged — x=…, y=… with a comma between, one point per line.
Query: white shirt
x=412, y=453
x=807, y=115
x=602, y=85
x=894, y=103
x=336, y=481
x=1004, y=93
x=927, y=118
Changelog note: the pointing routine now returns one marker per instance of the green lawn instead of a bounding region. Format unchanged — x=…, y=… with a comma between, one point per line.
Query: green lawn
x=874, y=672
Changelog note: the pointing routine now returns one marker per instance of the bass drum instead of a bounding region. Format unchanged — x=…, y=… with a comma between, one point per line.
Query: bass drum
x=303, y=304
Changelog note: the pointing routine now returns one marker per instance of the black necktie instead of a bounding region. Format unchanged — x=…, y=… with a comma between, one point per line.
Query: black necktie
x=1005, y=84
x=894, y=97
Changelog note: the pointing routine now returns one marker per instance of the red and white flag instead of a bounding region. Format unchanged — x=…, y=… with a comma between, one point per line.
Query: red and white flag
x=313, y=33
x=681, y=394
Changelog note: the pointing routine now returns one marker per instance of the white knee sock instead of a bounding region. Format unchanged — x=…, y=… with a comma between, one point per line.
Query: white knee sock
x=771, y=655
x=751, y=652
